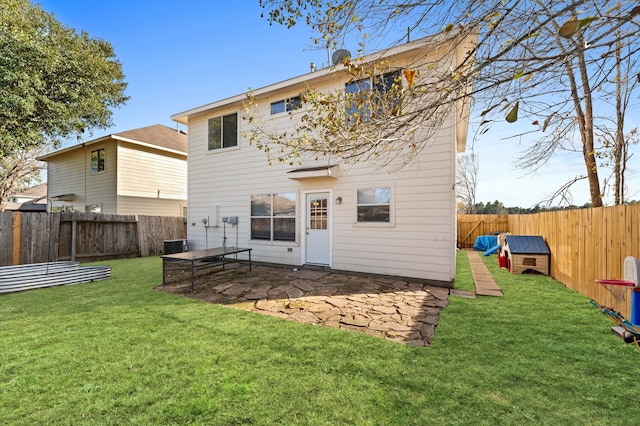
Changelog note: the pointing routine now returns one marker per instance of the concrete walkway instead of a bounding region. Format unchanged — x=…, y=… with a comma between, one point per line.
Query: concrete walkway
x=484, y=282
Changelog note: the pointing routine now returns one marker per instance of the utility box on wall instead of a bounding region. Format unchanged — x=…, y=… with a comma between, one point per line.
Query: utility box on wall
x=231, y=220
x=212, y=217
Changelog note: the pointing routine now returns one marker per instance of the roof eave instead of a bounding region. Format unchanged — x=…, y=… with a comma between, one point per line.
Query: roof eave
x=72, y=148
x=183, y=117
x=148, y=145
x=102, y=139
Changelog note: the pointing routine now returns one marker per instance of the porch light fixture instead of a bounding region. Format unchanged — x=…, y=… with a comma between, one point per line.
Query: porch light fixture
x=339, y=200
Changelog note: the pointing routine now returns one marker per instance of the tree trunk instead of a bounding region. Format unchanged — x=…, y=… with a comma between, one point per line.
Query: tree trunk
x=584, y=118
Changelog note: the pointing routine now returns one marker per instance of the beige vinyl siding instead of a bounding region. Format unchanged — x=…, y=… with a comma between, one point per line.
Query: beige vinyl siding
x=70, y=173
x=101, y=188
x=151, y=182
x=150, y=206
x=66, y=175
x=227, y=178
x=418, y=242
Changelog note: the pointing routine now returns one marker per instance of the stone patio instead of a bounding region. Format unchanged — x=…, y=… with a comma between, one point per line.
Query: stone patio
x=402, y=310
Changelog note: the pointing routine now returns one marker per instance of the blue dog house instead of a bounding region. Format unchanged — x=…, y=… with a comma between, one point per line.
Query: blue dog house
x=527, y=253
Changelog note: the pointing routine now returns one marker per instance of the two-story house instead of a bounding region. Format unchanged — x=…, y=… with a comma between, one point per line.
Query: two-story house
x=356, y=217
x=135, y=172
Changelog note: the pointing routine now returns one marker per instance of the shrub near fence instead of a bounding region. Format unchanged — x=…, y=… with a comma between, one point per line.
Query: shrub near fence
x=585, y=245
x=41, y=237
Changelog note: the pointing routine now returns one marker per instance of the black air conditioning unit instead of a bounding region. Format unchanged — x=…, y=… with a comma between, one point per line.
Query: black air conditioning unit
x=175, y=246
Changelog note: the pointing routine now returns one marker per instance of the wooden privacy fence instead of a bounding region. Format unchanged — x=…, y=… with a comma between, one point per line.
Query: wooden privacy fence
x=585, y=245
x=85, y=237
x=471, y=226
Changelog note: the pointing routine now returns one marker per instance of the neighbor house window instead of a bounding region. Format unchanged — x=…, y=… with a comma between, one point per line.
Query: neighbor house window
x=93, y=208
x=273, y=217
x=223, y=131
x=370, y=95
x=97, y=160
x=290, y=104
x=374, y=204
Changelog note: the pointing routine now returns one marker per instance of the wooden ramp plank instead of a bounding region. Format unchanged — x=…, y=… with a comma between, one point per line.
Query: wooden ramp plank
x=482, y=278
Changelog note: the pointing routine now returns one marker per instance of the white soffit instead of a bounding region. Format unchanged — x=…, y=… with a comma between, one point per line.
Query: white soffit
x=314, y=172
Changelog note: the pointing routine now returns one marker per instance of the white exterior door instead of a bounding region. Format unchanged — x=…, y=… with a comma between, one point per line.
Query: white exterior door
x=318, y=229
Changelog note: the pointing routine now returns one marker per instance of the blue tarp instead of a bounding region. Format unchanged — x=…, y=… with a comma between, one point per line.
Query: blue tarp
x=485, y=242
x=492, y=250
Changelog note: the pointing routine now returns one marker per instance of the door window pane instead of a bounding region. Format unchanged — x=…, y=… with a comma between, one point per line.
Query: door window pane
x=318, y=213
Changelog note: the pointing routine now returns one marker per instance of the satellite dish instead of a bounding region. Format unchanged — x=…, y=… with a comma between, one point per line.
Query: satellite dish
x=339, y=56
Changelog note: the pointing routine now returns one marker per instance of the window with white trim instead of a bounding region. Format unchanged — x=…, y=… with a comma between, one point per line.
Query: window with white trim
x=223, y=132
x=290, y=104
x=374, y=204
x=273, y=217
x=379, y=95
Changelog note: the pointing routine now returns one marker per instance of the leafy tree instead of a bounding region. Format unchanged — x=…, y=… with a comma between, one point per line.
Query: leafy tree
x=547, y=60
x=54, y=82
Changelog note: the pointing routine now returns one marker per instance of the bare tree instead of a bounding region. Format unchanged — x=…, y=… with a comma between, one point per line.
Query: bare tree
x=613, y=154
x=467, y=181
x=625, y=81
x=19, y=172
x=548, y=61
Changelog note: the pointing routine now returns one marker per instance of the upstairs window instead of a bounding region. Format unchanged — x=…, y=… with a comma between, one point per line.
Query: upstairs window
x=223, y=132
x=372, y=95
x=357, y=94
x=287, y=105
x=273, y=217
x=374, y=204
x=97, y=160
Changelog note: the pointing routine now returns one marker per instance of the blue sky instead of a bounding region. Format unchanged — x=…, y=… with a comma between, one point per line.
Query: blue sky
x=181, y=55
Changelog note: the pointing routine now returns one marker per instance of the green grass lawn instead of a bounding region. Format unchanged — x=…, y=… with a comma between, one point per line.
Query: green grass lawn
x=119, y=352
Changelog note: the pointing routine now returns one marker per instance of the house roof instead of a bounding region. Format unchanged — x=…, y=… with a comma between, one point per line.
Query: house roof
x=33, y=192
x=304, y=80
x=156, y=136
x=159, y=135
x=37, y=199
x=40, y=206
x=527, y=244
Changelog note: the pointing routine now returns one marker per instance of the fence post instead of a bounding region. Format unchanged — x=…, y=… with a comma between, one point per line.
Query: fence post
x=16, y=238
x=74, y=235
